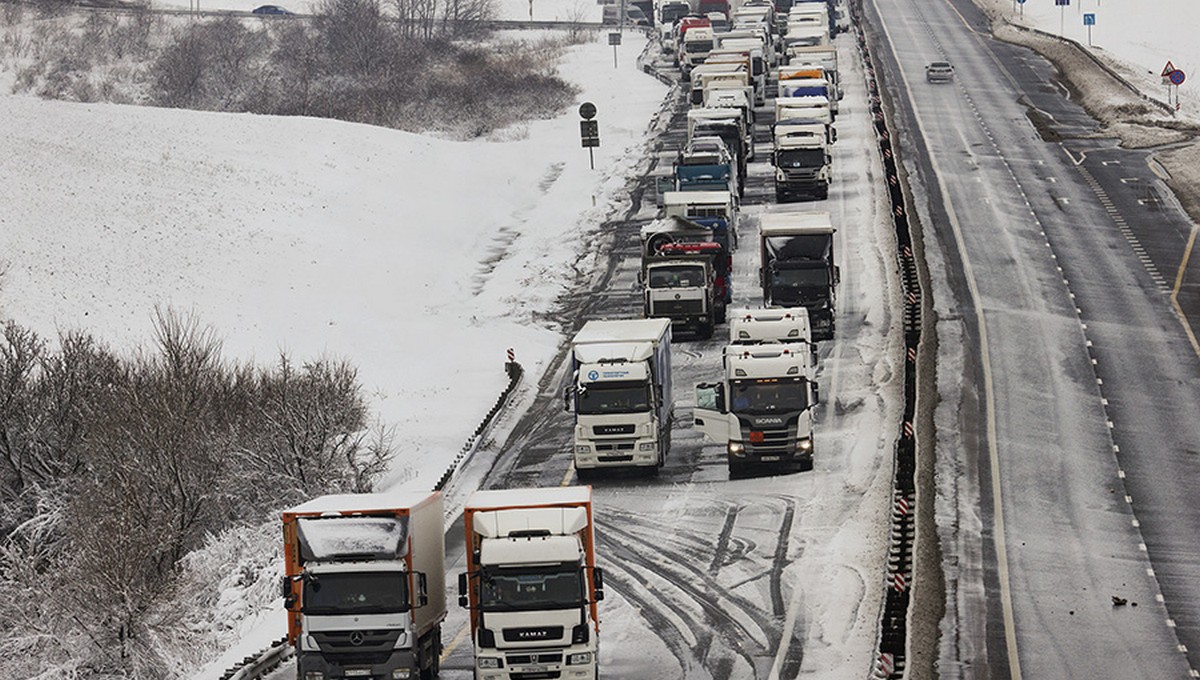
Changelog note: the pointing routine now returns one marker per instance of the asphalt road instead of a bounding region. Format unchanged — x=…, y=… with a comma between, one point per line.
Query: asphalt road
x=1068, y=379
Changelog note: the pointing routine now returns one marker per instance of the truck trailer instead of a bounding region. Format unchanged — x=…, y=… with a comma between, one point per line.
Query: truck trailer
x=620, y=393
x=797, y=265
x=365, y=586
x=532, y=584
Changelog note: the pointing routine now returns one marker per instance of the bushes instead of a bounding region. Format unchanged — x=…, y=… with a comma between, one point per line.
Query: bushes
x=112, y=469
x=353, y=61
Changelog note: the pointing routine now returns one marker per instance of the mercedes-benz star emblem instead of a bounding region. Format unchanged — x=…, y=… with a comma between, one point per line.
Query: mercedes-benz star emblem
x=356, y=638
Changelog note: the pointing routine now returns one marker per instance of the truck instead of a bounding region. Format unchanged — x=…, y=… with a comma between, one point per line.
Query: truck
x=762, y=408
x=697, y=43
x=824, y=56
x=809, y=87
x=532, y=585
x=679, y=285
x=704, y=75
x=364, y=585
x=730, y=123
x=620, y=393
x=673, y=244
x=802, y=160
x=705, y=164
x=746, y=51
x=797, y=265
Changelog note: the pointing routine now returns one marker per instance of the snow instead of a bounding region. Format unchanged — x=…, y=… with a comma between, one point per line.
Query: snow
x=1140, y=37
x=419, y=260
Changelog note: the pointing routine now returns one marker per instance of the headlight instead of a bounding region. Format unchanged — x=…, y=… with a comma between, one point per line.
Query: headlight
x=647, y=446
x=401, y=674
x=804, y=445
x=737, y=448
x=580, y=658
x=488, y=662
x=582, y=448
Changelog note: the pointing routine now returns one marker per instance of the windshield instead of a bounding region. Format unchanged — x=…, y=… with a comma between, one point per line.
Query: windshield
x=601, y=398
x=676, y=277
x=801, y=158
x=769, y=395
x=695, y=46
x=551, y=588
x=380, y=592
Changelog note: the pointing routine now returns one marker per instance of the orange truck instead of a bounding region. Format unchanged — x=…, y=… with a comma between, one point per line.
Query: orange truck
x=532, y=583
x=365, y=585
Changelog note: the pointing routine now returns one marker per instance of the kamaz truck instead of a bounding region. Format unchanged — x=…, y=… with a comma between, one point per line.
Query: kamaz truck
x=797, y=266
x=532, y=584
x=762, y=409
x=620, y=393
x=364, y=585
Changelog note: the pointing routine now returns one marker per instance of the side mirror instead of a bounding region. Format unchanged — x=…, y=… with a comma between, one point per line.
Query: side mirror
x=569, y=399
x=422, y=597
x=816, y=390
x=837, y=275
x=289, y=597
x=598, y=581
x=832, y=134
x=462, y=590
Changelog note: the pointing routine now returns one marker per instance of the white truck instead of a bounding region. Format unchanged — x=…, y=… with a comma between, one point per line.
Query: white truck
x=365, y=585
x=620, y=393
x=823, y=55
x=762, y=409
x=532, y=584
x=802, y=160
x=697, y=43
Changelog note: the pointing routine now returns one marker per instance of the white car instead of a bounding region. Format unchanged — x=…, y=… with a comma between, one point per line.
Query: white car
x=939, y=72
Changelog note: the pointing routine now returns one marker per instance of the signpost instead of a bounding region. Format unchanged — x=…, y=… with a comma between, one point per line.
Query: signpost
x=1022, y=3
x=1062, y=10
x=1089, y=20
x=1173, y=78
x=614, y=39
x=589, y=130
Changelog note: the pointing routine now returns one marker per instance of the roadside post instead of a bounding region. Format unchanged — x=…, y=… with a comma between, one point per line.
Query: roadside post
x=1062, y=11
x=589, y=130
x=1089, y=20
x=1022, y=4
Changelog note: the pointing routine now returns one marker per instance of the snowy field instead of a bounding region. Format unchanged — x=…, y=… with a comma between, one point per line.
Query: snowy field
x=1141, y=36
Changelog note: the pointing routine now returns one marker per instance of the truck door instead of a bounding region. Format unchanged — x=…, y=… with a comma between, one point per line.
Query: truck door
x=709, y=416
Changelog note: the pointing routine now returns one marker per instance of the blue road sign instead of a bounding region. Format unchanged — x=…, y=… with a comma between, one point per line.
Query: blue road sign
x=1089, y=19
x=1177, y=77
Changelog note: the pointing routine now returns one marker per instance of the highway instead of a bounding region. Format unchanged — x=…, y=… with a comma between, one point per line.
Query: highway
x=1068, y=380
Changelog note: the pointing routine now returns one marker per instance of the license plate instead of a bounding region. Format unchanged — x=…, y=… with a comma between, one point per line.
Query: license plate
x=358, y=672
x=531, y=669
x=770, y=459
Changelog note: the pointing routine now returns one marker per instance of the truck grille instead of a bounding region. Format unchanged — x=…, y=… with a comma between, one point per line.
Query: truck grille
x=615, y=446
x=532, y=634
x=547, y=675
x=801, y=175
x=546, y=657
x=357, y=642
x=672, y=308
x=608, y=430
x=775, y=441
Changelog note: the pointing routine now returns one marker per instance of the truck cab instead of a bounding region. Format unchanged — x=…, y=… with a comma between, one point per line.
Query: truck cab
x=762, y=408
x=797, y=265
x=802, y=160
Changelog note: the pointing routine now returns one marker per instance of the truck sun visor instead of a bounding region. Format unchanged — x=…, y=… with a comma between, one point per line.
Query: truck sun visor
x=352, y=538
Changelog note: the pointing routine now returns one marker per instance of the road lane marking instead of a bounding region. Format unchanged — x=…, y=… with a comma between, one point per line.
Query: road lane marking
x=462, y=634
x=1187, y=324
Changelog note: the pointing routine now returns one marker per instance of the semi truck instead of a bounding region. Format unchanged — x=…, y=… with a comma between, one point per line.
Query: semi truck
x=686, y=273
x=364, y=585
x=532, y=584
x=620, y=393
x=762, y=408
x=797, y=265
x=802, y=159
x=705, y=164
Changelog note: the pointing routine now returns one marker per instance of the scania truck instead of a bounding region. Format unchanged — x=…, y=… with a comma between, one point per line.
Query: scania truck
x=620, y=393
x=532, y=584
x=762, y=409
x=364, y=585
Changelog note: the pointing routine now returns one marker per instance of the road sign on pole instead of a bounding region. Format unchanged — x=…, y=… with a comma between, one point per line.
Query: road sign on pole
x=614, y=39
x=1089, y=20
x=1168, y=69
x=1177, y=77
x=589, y=130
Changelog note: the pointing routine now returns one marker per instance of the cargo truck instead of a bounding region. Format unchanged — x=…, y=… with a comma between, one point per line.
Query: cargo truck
x=532, y=584
x=762, y=409
x=685, y=273
x=797, y=266
x=802, y=160
x=705, y=164
x=620, y=393
x=364, y=585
